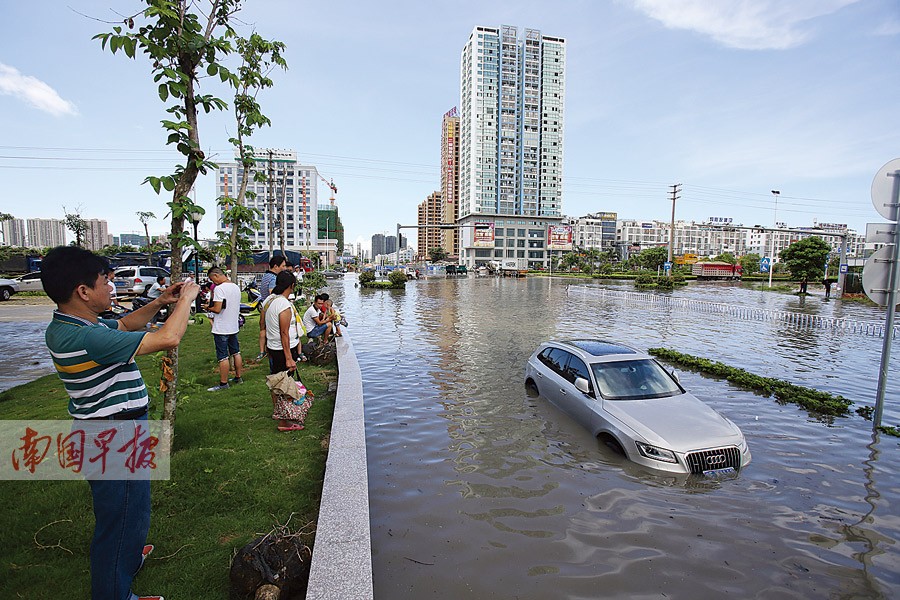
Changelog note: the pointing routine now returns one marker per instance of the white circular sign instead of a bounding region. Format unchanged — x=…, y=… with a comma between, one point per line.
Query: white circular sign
x=876, y=275
x=883, y=191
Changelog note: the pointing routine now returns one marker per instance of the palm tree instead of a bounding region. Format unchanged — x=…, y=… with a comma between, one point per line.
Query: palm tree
x=144, y=218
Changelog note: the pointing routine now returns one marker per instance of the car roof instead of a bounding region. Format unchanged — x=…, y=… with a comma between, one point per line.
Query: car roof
x=600, y=347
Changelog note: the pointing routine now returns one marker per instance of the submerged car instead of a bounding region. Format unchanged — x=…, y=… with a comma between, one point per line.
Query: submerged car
x=630, y=402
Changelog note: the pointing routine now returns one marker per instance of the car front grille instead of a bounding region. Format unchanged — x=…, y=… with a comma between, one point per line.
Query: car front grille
x=719, y=458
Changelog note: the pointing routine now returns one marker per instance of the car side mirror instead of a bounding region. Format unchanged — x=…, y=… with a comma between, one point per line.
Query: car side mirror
x=675, y=375
x=582, y=385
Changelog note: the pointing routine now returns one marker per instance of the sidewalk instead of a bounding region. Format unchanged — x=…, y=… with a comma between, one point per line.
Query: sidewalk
x=18, y=312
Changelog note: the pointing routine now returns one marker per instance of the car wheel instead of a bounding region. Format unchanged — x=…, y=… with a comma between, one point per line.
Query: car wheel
x=532, y=389
x=611, y=443
x=5, y=294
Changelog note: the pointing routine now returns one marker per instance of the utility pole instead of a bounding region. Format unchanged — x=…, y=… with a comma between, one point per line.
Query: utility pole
x=676, y=189
x=282, y=222
x=270, y=176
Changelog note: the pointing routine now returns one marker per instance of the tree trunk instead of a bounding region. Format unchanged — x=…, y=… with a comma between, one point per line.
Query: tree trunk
x=182, y=187
x=149, y=249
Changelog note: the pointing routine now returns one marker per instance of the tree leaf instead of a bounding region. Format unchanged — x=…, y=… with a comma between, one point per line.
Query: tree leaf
x=163, y=92
x=168, y=183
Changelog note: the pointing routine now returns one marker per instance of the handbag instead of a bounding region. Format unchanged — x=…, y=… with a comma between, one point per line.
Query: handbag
x=291, y=400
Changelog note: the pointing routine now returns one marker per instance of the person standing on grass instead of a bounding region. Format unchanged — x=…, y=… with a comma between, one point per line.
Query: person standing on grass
x=280, y=333
x=94, y=358
x=113, y=293
x=226, y=304
x=277, y=264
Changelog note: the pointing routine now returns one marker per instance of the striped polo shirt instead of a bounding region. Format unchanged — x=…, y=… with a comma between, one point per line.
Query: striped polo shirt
x=96, y=364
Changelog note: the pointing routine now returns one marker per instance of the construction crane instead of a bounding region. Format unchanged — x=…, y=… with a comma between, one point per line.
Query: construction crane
x=331, y=185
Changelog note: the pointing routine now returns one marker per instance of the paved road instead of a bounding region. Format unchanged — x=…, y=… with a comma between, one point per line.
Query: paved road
x=16, y=313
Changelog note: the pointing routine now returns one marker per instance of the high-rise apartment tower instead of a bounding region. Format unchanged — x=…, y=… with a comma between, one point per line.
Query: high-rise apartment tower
x=512, y=98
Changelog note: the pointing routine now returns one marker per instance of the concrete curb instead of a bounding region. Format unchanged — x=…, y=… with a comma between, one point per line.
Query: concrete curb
x=342, y=559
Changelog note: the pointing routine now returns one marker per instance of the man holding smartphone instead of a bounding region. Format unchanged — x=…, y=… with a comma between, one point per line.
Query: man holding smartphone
x=226, y=304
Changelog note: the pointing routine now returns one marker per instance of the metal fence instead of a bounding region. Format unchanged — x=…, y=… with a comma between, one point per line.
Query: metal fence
x=747, y=313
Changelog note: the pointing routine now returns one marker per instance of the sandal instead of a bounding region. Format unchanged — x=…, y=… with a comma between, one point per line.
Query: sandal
x=294, y=427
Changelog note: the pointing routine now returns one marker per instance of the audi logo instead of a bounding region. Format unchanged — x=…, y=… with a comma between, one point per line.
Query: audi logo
x=715, y=459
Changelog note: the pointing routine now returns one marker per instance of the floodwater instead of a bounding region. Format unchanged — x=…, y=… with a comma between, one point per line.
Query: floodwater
x=478, y=490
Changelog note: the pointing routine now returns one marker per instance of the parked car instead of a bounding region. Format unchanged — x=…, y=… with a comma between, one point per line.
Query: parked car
x=30, y=282
x=8, y=287
x=631, y=403
x=135, y=280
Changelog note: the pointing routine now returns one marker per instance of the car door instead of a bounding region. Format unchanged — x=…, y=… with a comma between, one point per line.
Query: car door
x=31, y=283
x=549, y=372
x=582, y=406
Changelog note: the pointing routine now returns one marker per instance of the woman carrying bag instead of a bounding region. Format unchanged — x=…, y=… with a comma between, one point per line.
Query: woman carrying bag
x=278, y=325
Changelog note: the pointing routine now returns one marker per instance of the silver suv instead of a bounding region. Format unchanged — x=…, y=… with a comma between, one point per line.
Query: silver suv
x=134, y=281
x=630, y=402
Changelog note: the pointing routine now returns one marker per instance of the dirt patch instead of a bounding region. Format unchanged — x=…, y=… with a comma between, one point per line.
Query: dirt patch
x=19, y=300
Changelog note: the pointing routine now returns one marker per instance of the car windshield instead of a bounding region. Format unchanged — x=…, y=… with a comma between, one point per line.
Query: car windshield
x=634, y=380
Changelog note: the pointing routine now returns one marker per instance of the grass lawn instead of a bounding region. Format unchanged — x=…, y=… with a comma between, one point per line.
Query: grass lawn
x=233, y=477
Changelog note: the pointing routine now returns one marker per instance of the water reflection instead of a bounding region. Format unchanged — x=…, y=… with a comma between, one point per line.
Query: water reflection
x=479, y=490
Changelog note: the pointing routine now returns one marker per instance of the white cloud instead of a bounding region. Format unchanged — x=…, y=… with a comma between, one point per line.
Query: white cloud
x=743, y=24
x=33, y=91
x=888, y=28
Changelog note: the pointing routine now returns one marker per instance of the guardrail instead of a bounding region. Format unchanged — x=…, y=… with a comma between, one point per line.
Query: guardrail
x=747, y=313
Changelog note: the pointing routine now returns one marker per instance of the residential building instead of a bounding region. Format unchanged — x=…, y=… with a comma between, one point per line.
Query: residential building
x=14, y=232
x=378, y=244
x=96, y=234
x=46, y=232
x=449, y=196
x=511, y=144
x=430, y=216
x=288, y=200
x=131, y=239
x=596, y=231
x=703, y=239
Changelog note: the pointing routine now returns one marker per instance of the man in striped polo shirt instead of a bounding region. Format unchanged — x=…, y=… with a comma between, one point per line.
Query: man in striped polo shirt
x=95, y=360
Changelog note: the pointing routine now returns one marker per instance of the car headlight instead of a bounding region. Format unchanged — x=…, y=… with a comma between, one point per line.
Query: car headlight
x=656, y=453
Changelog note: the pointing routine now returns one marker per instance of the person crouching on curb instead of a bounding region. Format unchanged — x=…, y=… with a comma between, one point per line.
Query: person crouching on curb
x=280, y=331
x=315, y=320
x=226, y=303
x=94, y=358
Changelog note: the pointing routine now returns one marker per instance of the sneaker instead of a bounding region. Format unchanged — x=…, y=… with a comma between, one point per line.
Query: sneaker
x=218, y=388
x=236, y=380
x=144, y=554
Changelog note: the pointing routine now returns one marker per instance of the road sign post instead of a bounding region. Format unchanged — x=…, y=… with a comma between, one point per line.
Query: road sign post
x=880, y=275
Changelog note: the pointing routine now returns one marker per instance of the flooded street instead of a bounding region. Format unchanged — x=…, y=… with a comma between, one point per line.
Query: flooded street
x=478, y=490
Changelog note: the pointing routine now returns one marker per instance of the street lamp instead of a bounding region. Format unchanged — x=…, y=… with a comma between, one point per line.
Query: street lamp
x=196, y=216
x=775, y=194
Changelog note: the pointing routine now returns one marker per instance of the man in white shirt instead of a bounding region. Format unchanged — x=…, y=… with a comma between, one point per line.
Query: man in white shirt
x=113, y=293
x=315, y=320
x=226, y=303
x=157, y=288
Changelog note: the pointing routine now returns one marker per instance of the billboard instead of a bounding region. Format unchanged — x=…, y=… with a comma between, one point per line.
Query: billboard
x=559, y=237
x=483, y=235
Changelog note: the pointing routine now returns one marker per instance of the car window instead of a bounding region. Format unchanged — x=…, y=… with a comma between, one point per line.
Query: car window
x=576, y=369
x=557, y=359
x=31, y=276
x=634, y=380
x=125, y=273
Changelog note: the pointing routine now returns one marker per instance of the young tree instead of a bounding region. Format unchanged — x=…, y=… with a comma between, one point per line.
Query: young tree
x=749, y=263
x=258, y=58
x=805, y=259
x=144, y=217
x=76, y=225
x=182, y=40
x=437, y=254
x=653, y=258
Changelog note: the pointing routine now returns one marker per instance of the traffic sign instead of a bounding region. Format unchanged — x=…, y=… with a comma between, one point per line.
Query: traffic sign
x=876, y=275
x=845, y=268
x=764, y=265
x=880, y=233
x=884, y=185
x=667, y=266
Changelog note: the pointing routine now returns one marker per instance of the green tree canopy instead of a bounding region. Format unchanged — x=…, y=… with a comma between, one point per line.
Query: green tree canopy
x=805, y=259
x=750, y=263
x=653, y=258
x=726, y=257
x=437, y=254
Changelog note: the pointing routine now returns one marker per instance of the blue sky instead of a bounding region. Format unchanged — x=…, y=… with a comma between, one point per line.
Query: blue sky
x=730, y=98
